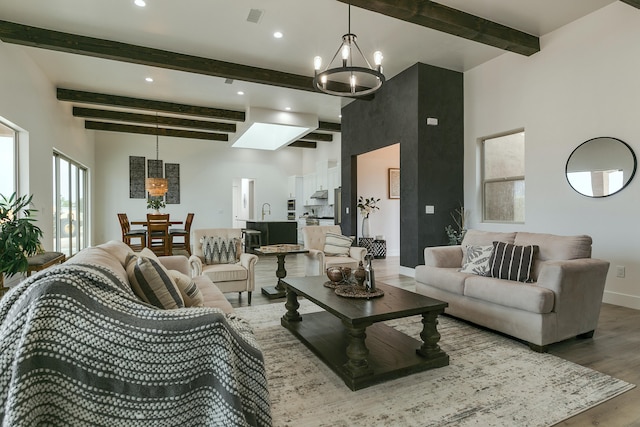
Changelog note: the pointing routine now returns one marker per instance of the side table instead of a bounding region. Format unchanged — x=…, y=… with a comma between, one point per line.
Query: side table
x=379, y=249
x=366, y=242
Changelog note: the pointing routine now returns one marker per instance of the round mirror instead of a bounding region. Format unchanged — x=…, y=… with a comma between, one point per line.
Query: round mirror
x=601, y=167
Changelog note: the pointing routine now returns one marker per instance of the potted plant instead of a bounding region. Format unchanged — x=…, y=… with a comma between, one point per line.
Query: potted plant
x=456, y=235
x=367, y=206
x=19, y=236
x=155, y=203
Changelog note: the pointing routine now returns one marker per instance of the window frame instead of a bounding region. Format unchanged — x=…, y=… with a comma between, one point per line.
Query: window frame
x=485, y=181
x=16, y=151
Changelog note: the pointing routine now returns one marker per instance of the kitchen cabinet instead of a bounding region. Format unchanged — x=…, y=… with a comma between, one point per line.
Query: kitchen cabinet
x=333, y=182
x=309, y=184
x=321, y=175
x=295, y=187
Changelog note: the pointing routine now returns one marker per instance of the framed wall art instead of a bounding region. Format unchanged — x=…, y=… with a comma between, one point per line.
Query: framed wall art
x=394, y=183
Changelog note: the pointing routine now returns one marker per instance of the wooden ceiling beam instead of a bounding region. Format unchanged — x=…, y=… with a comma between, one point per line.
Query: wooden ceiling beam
x=453, y=21
x=329, y=127
x=303, y=144
x=25, y=35
x=120, y=116
x=315, y=136
x=147, y=104
x=634, y=3
x=117, y=127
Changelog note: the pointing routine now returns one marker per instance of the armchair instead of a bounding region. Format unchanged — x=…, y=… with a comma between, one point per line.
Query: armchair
x=233, y=277
x=316, y=262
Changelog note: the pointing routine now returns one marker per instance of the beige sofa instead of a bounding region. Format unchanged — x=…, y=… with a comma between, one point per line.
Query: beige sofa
x=563, y=301
x=316, y=262
x=113, y=255
x=235, y=277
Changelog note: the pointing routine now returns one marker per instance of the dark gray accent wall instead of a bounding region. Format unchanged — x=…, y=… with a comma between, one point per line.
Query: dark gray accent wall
x=431, y=157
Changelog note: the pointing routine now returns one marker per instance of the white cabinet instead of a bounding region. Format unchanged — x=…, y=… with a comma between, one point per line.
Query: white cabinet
x=321, y=175
x=309, y=184
x=294, y=187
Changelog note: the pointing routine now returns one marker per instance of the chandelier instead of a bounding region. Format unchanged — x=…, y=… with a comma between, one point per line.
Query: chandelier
x=359, y=78
x=157, y=187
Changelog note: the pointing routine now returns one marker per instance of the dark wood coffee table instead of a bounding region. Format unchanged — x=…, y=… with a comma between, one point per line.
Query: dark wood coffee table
x=350, y=339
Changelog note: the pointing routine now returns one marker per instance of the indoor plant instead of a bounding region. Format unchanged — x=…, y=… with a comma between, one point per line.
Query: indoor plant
x=456, y=235
x=19, y=236
x=155, y=203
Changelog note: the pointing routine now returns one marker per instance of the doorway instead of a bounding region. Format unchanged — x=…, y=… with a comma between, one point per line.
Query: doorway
x=243, y=201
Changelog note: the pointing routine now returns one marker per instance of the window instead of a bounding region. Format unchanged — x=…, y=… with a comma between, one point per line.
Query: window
x=70, y=205
x=8, y=160
x=503, y=178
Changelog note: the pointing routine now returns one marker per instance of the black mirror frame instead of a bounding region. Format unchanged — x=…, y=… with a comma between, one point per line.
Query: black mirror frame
x=633, y=155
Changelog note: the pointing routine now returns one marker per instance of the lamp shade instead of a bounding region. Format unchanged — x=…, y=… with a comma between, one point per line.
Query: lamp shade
x=157, y=186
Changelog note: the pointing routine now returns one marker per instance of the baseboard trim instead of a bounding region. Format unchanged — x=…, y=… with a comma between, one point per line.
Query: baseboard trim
x=407, y=271
x=624, y=300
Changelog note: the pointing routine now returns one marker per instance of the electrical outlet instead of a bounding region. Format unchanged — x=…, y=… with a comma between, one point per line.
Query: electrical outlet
x=620, y=271
x=428, y=209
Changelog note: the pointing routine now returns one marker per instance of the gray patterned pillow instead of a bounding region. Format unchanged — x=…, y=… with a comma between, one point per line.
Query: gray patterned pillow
x=219, y=250
x=477, y=260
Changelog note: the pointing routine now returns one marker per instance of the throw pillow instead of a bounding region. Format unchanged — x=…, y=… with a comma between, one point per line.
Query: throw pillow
x=512, y=262
x=152, y=283
x=337, y=245
x=477, y=259
x=188, y=289
x=219, y=250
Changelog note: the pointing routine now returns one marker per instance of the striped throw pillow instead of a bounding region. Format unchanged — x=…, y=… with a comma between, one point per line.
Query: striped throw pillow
x=336, y=245
x=152, y=283
x=188, y=289
x=220, y=250
x=512, y=262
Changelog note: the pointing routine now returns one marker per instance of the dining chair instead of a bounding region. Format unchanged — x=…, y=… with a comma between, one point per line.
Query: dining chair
x=128, y=234
x=183, y=235
x=158, y=238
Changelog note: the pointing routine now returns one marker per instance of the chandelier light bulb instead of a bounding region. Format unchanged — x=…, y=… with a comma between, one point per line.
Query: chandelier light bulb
x=377, y=57
x=345, y=52
x=317, y=63
x=352, y=81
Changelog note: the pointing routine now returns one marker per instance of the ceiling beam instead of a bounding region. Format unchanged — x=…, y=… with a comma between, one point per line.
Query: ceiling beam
x=634, y=3
x=315, y=136
x=25, y=35
x=116, y=127
x=147, y=104
x=153, y=120
x=329, y=127
x=303, y=144
x=453, y=21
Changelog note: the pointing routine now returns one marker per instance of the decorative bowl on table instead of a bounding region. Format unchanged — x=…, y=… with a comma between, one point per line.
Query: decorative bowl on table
x=337, y=276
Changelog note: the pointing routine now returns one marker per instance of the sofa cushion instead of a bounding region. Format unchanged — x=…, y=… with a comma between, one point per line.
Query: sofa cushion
x=152, y=283
x=479, y=237
x=509, y=293
x=447, y=279
x=340, y=261
x=225, y=272
x=477, y=259
x=188, y=289
x=512, y=262
x=212, y=296
x=553, y=247
x=337, y=245
x=220, y=250
x=98, y=256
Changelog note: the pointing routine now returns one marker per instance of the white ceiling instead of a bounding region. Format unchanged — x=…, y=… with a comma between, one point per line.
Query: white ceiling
x=218, y=29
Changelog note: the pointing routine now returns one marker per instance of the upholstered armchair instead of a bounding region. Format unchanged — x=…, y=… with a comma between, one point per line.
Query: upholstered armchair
x=316, y=261
x=236, y=274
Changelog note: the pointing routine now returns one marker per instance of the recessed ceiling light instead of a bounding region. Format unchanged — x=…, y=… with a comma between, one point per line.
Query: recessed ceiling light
x=149, y=79
x=140, y=3
x=278, y=34
x=240, y=93
x=340, y=116
x=288, y=108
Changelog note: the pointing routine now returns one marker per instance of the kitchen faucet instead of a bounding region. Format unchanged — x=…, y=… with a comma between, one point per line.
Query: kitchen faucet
x=268, y=212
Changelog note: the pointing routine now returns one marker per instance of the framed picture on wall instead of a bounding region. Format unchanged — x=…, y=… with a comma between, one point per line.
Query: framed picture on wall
x=394, y=183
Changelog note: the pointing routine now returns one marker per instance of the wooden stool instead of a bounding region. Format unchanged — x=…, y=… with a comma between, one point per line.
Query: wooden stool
x=252, y=239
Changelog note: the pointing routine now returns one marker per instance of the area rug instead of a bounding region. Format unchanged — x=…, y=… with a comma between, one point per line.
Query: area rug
x=491, y=381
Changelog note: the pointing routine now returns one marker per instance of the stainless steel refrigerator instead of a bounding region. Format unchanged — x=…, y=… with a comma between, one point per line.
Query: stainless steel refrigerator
x=337, y=206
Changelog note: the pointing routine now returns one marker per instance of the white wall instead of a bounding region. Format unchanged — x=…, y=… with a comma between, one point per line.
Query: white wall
x=373, y=182
x=582, y=84
x=207, y=170
x=28, y=101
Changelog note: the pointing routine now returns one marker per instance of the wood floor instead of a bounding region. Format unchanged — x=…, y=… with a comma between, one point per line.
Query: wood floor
x=614, y=350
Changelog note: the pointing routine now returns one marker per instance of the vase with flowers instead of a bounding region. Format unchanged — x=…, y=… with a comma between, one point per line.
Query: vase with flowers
x=155, y=203
x=367, y=206
x=19, y=236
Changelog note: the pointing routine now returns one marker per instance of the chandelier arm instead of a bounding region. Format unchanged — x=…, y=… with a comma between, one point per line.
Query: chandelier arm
x=362, y=54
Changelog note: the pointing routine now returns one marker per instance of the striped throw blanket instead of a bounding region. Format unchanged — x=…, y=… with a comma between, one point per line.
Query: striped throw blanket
x=78, y=348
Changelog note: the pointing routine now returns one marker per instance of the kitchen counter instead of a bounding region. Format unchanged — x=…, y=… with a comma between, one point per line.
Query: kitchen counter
x=276, y=232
